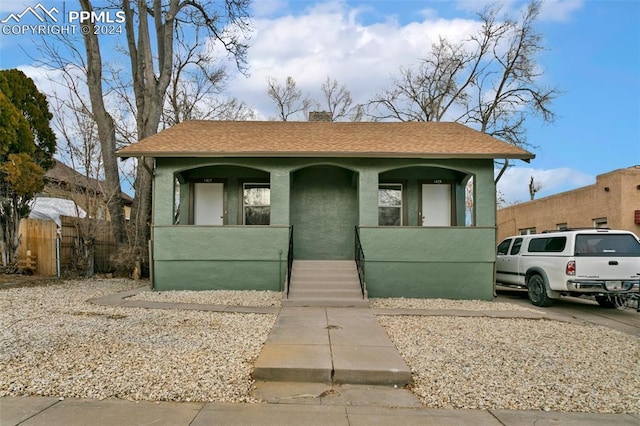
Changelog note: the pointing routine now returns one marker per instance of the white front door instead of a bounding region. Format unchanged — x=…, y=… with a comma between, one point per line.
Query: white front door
x=436, y=204
x=208, y=203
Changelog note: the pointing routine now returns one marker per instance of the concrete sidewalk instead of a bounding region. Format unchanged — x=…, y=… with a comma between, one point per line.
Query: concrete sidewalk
x=36, y=411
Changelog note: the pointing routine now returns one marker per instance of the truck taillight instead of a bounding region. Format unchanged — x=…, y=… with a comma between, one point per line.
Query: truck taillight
x=571, y=267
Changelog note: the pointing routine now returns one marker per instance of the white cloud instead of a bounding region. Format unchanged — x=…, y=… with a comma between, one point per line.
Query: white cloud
x=47, y=80
x=559, y=10
x=329, y=39
x=514, y=184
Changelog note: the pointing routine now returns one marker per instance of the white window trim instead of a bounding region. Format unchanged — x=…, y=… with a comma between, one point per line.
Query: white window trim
x=244, y=206
x=388, y=184
x=600, y=222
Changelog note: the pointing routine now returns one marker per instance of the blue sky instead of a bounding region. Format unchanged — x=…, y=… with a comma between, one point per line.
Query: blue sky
x=593, y=56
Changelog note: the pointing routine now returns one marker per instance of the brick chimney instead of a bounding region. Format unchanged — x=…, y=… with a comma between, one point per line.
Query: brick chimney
x=320, y=116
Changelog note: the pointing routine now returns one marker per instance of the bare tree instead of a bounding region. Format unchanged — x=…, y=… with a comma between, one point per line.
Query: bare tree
x=534, y=188
x=490, y=81
x=79, y=145
x=151, y=67
x=197, y=84
x=428, y=93
x=338, y=102
x=500, y=199
x=105, y=125
x=506, y=88
x=288, y=98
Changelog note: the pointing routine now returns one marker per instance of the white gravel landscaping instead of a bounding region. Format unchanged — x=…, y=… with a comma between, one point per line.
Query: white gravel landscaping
x=54, y=343
x=217, y=297
x=465, y=305
x=518, y=364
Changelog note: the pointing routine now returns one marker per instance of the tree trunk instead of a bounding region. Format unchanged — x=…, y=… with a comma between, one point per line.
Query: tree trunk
x=149, y=93
x=106, y=128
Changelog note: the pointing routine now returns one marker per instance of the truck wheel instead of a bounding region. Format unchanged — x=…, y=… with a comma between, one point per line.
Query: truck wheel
x=537, y=291
x=611, y=301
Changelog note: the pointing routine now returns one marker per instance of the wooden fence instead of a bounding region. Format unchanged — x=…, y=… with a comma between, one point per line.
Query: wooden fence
x=38, y=237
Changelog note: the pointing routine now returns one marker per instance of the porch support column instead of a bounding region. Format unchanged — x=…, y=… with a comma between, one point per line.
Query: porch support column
x=368, y=197
x=163, y=189
x=280, y=196
x=485, y=197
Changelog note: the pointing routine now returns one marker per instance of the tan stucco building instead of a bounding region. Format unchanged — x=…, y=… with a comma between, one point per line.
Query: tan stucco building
x=612, y=202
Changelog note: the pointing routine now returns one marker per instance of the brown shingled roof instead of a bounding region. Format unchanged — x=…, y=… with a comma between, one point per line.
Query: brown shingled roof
x=322, y=139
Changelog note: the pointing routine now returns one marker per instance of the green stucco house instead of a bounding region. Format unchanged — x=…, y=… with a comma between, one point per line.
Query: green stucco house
x=231, y=198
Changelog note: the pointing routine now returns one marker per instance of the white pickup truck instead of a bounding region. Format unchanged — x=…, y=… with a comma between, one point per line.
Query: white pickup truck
x=598, y=262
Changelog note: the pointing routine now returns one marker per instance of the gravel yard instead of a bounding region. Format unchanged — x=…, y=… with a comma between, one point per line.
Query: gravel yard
x=467, y=305
x=518, y=364
x=220, y=297
x=54, y=343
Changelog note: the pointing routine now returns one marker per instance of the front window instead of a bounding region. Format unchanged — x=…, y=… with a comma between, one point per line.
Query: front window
x=256, y=204
x=390, y=204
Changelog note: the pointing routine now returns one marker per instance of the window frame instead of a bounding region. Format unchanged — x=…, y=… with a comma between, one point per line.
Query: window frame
x=600, y=223
x=403, y=192
x=258, y=183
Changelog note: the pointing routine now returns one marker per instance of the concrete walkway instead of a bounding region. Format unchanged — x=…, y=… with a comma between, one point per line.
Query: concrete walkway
x=330, y=345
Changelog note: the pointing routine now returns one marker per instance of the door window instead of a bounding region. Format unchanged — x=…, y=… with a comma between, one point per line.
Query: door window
x=503, y=247
x=517, y=244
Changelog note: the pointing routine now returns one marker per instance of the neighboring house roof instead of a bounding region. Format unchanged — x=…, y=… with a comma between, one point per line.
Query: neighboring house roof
x=60, y=172
x=322, y=139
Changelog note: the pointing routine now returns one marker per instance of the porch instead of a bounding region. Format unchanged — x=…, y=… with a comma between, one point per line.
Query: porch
x=224, y=223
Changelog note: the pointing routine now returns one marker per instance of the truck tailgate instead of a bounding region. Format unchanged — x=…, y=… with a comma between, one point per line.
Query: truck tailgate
x=607, y=268
x=613, y=258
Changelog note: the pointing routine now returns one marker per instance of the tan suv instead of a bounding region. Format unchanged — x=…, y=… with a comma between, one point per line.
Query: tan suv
x=598, y=262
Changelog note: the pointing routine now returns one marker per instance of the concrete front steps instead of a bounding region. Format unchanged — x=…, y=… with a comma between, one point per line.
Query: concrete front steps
x=332, y=346
x=325, y=283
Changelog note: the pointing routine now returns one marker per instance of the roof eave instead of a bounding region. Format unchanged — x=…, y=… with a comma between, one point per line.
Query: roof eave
x=524, y=156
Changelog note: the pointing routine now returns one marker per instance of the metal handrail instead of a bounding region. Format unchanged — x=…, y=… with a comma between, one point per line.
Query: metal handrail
x=359, y=257
x=289, y=260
